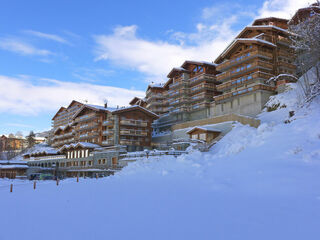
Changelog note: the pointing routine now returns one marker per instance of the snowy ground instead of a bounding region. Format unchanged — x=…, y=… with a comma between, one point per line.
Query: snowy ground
x=254, y=184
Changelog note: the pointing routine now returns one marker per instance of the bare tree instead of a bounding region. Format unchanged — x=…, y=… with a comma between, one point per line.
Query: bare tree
x=306, y=42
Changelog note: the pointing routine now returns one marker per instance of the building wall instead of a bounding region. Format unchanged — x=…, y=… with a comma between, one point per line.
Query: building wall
x=248, y=105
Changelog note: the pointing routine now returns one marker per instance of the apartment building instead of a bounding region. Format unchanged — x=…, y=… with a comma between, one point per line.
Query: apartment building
x=258, y=53
x=64, y=115
x=156, y=99
x=188, y=93
x=103, y=126
x=305, y=13
x=129, y=126
x=12, y=143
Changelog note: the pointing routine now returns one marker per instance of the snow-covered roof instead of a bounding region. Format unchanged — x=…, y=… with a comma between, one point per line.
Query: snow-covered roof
x=204, y=128
x=79, y=144
x=236, y=40
x=138, y=107
x=198, y=63
x=13, y=166
x=41, y=149
x=256, y=39
x=98, y=107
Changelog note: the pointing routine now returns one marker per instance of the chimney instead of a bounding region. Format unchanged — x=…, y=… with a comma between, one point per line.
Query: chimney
x=106, y=105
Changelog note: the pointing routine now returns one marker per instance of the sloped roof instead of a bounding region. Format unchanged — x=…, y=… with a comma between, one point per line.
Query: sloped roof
x=136, y=107
x=206, y=129
x=262, y=27
x=60, y=110
x=199, y=63
x=269, y=19
x=79, y=144
x=176, y=70
x=96, y=108
x=236, y=41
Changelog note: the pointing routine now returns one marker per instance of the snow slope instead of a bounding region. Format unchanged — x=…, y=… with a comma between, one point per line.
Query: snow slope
x=259, y=183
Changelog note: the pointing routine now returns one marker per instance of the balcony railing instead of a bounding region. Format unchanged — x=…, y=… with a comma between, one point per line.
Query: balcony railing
x=130, y=142
x=88, y=136
x=108, y=142
x=108, y=122
x=240, y=59
x=86, y=127
x=132, y=122
x=133, y=132
x=199, y=88
x=107, y=132
x=243, y=69
x=202, y=77
x=85, y=117
x=243, y=80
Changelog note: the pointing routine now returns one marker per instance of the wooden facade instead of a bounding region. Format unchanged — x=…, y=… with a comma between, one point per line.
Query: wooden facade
x=130, y=126
x=13, y=143
x=156, y=99
x=305, y=13
x=203, y=134
x=259, y=52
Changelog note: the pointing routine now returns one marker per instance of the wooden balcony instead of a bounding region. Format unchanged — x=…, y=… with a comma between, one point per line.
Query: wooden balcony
x=203, y=88
x=108, y=122
x=108, y=142
x=238, y=82
x=257, y=64
x=108, y=132
x=202, y=77
x=85, y=117
x=132, y=132
x=233, y=62
x=86, y=127
x=130, y=142
x=132, y=122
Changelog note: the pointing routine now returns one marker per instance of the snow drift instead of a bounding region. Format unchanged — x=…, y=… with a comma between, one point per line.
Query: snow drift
x=259, y=183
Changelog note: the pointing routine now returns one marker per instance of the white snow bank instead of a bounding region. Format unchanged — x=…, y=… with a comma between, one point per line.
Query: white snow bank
x=259, y=183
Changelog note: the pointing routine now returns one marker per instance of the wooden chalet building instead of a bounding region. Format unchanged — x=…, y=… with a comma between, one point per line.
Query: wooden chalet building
x=12, y=143
x=188, y=93
x=258, y=53
x=156, y=99
x=305, y=13
x=103, y=126
x=129, y=126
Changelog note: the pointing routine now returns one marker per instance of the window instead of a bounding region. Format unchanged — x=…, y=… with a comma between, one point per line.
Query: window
x=203, y=136
x=194, y=136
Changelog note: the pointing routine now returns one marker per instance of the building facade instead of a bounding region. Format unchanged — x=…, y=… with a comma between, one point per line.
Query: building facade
x=259, y=53
x=103, y=126
x=188, y=93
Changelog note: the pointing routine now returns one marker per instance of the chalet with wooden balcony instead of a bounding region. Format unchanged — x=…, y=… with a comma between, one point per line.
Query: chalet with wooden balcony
x=131, y=127
x=156, y=99
x=257, y=54
x=305, y=13
x=191, y=89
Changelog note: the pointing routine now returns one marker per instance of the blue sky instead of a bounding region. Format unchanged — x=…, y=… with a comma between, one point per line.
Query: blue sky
x=54, y=51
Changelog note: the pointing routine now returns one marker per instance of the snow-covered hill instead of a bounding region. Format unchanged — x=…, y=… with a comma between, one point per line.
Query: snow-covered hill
x=259, y=183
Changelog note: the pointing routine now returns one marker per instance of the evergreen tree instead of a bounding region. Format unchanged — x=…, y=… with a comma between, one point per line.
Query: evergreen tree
x=31, y=139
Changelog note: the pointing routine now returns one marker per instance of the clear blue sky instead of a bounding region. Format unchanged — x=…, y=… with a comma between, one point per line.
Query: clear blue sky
x=55, y=51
